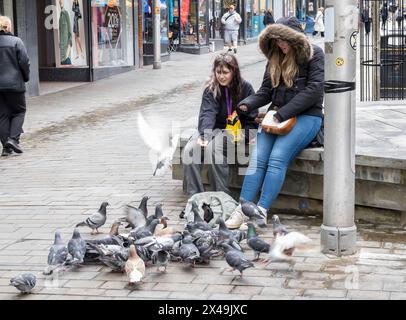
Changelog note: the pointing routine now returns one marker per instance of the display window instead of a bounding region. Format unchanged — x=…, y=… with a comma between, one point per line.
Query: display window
x=112, y=29
x=6, y=9
x=148, y=21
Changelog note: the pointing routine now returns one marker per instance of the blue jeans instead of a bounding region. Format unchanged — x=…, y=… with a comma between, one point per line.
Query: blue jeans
x=271, y=158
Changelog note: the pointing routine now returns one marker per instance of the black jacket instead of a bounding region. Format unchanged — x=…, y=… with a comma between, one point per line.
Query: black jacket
x=307, y=93
x=14, y=64
x=213, y=111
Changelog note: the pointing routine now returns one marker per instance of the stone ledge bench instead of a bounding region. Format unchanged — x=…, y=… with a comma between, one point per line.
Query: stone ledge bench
x=380, y=190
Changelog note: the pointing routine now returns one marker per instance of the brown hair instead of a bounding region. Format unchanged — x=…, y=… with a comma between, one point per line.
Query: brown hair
x=230, y=62
x=282, y=66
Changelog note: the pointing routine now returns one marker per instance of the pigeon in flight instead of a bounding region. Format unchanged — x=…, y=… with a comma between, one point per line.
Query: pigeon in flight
x=24, y=282
x=284, y=244
x=96, y=220
x=162, y=150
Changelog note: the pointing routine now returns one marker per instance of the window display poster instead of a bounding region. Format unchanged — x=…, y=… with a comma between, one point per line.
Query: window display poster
x=71, y=35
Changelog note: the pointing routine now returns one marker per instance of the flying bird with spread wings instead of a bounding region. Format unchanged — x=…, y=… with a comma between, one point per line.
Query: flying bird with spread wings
x=162, y=147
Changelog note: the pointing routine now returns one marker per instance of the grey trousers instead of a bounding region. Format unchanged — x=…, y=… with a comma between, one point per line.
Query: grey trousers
x=215, y=155
x=12, y=115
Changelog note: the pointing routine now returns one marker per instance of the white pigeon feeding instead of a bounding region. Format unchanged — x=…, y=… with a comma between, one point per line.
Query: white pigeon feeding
x=134, y=267
x=162, y=148
x=284, y=244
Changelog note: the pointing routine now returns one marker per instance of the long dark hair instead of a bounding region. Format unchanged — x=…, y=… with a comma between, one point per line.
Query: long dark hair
x=230, y=62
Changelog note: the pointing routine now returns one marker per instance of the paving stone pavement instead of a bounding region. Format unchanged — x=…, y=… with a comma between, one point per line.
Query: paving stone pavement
x=69, y=168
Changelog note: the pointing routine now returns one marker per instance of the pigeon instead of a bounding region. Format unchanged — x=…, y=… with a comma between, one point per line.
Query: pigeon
x=225, y=234
x=143, y=205
x=96, y=220
x=24, y=282
x=188, y=250
x=134, y=267
x=160, y=258
x=255, y=243
x=252, y=211
x=77, y=248
x=208, y=212
x=236, y=259
x=134, y=217
x=57, y=256
x=278, y=227
x=113, y=256
x=284, y=244
x=198, y=222
x=205, y=243
x=162, y=150
x=145, y=231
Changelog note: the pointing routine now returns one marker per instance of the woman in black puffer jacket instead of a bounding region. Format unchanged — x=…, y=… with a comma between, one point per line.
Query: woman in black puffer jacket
x=294, y=85
x=14, y=72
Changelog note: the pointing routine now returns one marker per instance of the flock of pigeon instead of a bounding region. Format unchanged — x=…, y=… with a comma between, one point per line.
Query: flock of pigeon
x=150, y=241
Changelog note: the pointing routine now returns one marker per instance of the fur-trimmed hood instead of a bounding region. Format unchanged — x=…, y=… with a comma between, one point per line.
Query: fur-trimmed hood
x=287, y=29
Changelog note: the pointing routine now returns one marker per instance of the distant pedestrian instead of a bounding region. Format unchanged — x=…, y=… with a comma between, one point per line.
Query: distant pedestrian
x=231, y=20
x=384, y=15
x=366, y=19
x=268, y=18
x=399, y=17
x=319, y=22
x=15, y=71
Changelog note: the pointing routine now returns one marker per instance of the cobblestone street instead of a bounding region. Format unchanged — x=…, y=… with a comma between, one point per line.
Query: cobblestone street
x=82, y=147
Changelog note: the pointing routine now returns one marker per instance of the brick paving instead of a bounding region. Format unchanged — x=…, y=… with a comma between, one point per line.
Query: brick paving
x=81, y=150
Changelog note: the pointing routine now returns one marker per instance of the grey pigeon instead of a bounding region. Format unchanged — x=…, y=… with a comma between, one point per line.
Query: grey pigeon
x=24, y=282
x=252, y=211
x=208, y=212
x=145, y=231
x=144, y=206
x=57, y=256
x=113, y=256
x=278, y=227
x=96, y=220
x=205, y=242
x=77, y=248
x=134, y=217
x=236, y=259
x=225, y=234
x=255, y=243
x=188, y=250
x=160, y=258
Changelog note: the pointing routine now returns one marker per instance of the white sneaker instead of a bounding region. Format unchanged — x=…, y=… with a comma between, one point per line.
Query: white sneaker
x=236, y=219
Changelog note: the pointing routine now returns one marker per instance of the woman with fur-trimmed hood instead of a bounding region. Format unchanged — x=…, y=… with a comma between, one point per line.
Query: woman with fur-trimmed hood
x=294, y=85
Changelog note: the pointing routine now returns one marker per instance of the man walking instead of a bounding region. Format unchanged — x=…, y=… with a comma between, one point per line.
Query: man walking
x=15, y=71
x=231, y=21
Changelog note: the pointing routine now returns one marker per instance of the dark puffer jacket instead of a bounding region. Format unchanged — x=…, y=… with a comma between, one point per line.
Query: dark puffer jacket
x=307, y=93
x=14, y=64
x=213, y=111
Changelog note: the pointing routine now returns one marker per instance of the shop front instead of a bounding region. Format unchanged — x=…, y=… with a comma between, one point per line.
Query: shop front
x=148, y=44
x=80, y=40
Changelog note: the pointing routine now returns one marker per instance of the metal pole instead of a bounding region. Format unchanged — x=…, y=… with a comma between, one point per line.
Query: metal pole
x=156, y=17
x=338, y=231
x=376, y=52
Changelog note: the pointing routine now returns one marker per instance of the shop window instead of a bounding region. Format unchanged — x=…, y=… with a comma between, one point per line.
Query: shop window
x=6, y=8
x=112, y=28
x=188, y=22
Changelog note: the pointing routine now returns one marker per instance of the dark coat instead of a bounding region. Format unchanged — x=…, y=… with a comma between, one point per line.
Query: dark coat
x=213, y=111
x=307, y=93
x=14, y=64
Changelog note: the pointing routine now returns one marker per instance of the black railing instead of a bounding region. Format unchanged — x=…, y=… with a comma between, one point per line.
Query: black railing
x=382, y=49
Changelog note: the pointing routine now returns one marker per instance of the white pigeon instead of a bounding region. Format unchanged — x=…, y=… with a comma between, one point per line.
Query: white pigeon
x=162, y=148
x=134, y=267
x=284, y=244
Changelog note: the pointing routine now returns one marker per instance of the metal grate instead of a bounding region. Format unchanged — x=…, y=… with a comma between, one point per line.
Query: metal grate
x=382, y=50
